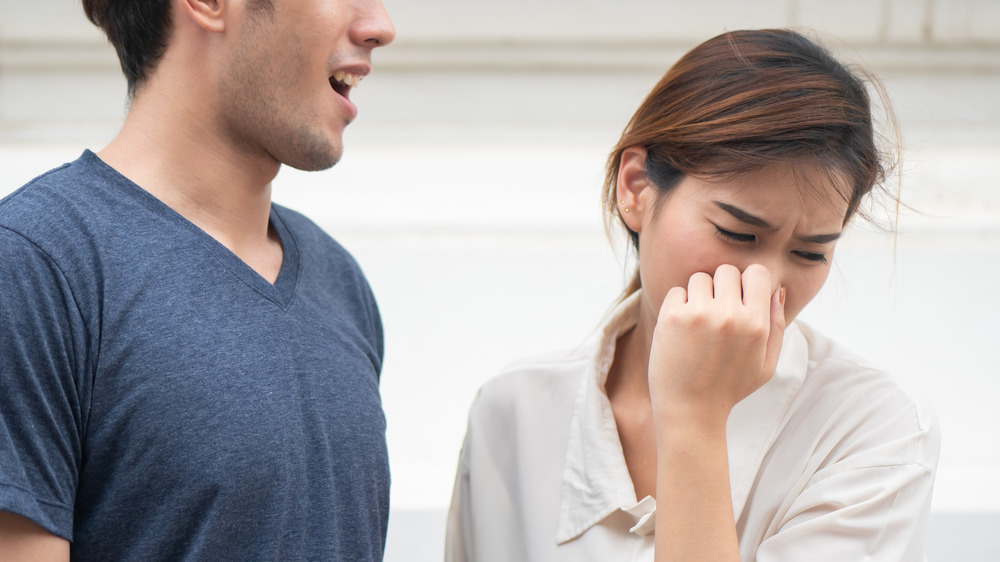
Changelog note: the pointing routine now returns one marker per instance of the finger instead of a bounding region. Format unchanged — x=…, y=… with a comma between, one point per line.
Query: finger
x=700, y=287
x=757, y=289
x=675, y=297
x=774, y=337
x=727, y=285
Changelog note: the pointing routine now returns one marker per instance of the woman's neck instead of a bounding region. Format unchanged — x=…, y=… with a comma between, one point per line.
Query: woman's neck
x=627, y=387
x=629, y=369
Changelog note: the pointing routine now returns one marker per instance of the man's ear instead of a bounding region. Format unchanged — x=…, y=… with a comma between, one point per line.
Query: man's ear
x=207, y=14
x=632, y=183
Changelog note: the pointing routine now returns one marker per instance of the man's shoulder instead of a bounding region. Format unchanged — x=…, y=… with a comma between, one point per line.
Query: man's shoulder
x=55, y=199
x=306, y=231
x=316, y=246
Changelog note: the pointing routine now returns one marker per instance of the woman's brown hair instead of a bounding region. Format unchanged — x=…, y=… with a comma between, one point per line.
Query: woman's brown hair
x=745, y=100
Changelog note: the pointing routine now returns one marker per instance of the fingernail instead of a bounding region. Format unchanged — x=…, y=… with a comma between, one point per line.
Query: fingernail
x=781, y=296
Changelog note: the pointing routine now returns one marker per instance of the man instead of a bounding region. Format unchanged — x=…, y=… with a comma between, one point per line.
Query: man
x=186, y=370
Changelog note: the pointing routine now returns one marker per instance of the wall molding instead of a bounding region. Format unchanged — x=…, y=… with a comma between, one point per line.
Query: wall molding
x=500, y=55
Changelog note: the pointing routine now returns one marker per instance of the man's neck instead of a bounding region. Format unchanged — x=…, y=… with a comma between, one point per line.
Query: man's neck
x=182, y=160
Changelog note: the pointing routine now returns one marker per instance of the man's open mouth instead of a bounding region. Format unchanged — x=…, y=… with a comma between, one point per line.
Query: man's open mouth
x=342, y=82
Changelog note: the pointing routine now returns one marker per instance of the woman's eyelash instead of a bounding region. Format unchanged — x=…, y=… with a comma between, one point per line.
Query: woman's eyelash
x=742, y=238
x=812, y=256
x=735, y=236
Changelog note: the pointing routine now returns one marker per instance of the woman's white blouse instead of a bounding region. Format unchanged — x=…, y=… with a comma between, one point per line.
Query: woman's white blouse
x=828, y=461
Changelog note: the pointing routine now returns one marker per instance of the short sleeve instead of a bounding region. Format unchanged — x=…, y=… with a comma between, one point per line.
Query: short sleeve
x=42, y=343
x=375, y=320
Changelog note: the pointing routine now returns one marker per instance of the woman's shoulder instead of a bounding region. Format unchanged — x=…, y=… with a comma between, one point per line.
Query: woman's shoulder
x=548, y=380
x=858, y=404
x=837, y=367
x=519, y=422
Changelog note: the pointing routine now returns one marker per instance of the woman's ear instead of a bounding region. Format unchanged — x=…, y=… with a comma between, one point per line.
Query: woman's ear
x=632, y=183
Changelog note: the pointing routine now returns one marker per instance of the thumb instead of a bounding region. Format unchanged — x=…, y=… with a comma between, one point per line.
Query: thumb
x=773, y=348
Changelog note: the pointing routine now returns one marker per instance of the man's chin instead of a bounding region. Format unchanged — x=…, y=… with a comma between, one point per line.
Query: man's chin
x=314, y=160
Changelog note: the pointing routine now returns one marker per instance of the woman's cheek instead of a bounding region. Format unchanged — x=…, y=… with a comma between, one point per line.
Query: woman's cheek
x=798, y=296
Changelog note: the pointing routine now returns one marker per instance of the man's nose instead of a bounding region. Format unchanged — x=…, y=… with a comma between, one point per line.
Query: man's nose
x=373, y=27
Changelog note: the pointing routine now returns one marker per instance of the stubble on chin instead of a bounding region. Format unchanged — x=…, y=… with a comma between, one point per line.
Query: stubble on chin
x=307, y=149
x=258, y=118
x=262, y=127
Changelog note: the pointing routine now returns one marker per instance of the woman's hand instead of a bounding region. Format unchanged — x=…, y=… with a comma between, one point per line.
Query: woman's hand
x=714, y=344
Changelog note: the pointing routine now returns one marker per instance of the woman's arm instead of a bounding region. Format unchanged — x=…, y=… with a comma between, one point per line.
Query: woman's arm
x=21, y=539
x=714, y=344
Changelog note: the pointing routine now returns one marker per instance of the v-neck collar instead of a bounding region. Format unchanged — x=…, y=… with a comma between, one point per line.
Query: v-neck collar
x=281, y=292
x=596, y=481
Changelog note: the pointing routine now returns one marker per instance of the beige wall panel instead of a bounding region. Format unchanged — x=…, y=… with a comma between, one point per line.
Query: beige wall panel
x=966, y=22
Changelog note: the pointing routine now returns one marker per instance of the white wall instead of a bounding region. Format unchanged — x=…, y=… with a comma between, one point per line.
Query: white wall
x=469, y=193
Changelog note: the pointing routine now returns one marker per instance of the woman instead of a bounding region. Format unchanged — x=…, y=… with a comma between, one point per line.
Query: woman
x=704, y=423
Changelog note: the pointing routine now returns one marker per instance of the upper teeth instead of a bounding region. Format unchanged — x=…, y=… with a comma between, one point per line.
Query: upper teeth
x=347, y=78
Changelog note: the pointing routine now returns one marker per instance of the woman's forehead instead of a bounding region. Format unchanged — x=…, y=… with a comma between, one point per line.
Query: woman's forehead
x=811, y=189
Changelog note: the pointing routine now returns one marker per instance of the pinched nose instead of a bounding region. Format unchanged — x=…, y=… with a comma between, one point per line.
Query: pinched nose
x=771, y=271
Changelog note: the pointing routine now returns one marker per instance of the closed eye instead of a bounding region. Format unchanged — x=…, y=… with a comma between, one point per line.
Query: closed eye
x=811, y=256
x=735, y=236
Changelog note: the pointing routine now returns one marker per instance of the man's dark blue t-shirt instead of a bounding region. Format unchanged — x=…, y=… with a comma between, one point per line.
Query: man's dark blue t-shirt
x=161, y=400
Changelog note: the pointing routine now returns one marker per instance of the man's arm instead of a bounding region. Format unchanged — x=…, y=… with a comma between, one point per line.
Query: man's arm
x=21, y=539
x=39, y=439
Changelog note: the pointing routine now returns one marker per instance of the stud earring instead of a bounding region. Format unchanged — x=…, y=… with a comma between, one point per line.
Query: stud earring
x=623, y=205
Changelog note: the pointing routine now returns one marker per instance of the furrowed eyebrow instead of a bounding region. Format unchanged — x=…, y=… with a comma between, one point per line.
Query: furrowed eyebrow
x=819, y=238
x=753, y=220
x=743, y=216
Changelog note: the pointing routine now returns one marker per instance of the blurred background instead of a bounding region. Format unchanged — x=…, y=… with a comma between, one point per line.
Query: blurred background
x=469, y=192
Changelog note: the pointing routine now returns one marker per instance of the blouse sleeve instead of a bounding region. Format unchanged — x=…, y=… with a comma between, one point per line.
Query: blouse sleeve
x=863, y=507
x=458, y=537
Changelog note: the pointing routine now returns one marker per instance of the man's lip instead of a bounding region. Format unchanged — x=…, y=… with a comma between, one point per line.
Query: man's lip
x=349, y=107
x=359, y=70
x=345, y=78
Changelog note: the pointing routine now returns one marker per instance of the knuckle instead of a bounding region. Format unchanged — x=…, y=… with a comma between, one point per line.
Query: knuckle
x=727, y=323
x=758, y=328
